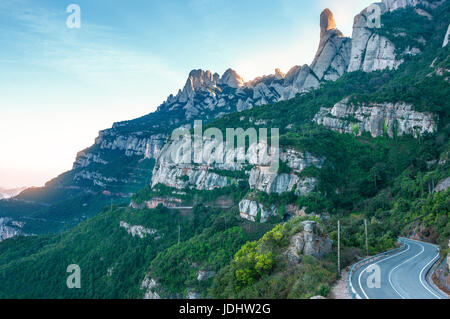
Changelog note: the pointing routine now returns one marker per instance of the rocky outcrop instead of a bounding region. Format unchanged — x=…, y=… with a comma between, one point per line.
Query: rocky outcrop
x=310, y=242
x=9, y=229
x=170, y=170
x=203, y=275
x=183, y=176
x=232, y=79
x=192, y=294
x=263, y=179
x=377, y=119
x=250, y=210
x=149, y=285
x=370, y=51
x=446, y=37
x=443, y=185
x=137, y=230
x=178, y=166
x=448, y=257
x=333, y=56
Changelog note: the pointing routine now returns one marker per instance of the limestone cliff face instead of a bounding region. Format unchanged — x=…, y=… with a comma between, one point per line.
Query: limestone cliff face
x=263, y=179
x=174, y=169
x=250, y=209
x=370, y=51
x=376, y=119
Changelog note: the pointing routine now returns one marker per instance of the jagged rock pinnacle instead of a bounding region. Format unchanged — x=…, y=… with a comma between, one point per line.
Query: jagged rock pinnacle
x=327, y=22
x=232, y=79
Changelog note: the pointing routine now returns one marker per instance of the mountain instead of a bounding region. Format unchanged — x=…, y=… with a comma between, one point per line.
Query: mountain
x=368, y=146
x=8, y=193
x=122, y=159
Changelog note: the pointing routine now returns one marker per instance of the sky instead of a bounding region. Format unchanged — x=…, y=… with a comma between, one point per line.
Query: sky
x=60, y=86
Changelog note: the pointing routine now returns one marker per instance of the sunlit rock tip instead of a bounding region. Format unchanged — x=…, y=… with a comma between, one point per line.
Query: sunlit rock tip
x=232, y=79
x=327, y=21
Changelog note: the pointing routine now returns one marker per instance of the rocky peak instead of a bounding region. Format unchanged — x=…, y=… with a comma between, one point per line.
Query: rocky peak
x=279, y=75
x=333, y=56
x=232, y=79
x=199, y=79
x=327, y=22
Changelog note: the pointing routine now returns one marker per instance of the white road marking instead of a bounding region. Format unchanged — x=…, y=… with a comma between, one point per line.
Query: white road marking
x=359, y=278
x=421, y=272
x=396, y=267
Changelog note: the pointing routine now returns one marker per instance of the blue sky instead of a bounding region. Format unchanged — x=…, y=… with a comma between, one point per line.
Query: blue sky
x=60, y=86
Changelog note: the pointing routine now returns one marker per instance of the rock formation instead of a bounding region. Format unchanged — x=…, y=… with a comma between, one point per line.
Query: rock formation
x=333, y=56
x=250, y=210
x=310, y=242
x=377, y=119
x=137, y=230
x=171, y=170
x=203, y=275
x=232, y=79
x=443, y=185
x=149, y=285
x=263, y=179
x=446, y=38
x=9, y=229
x=370, y=51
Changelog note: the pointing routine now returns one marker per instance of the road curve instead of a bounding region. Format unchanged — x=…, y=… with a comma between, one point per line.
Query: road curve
x=402, y=274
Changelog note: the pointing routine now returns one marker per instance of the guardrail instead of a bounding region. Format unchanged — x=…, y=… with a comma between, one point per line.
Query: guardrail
x=351, y=290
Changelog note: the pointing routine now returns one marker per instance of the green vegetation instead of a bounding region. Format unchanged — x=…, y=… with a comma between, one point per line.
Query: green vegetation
x=261, y=269
x=389, y=182
x=191, y=196
x=113, y=263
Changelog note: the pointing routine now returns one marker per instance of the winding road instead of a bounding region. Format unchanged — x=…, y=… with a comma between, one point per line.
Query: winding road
x=401, y=275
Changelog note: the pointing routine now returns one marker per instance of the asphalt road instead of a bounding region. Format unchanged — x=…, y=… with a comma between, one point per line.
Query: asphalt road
x=402, y=275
